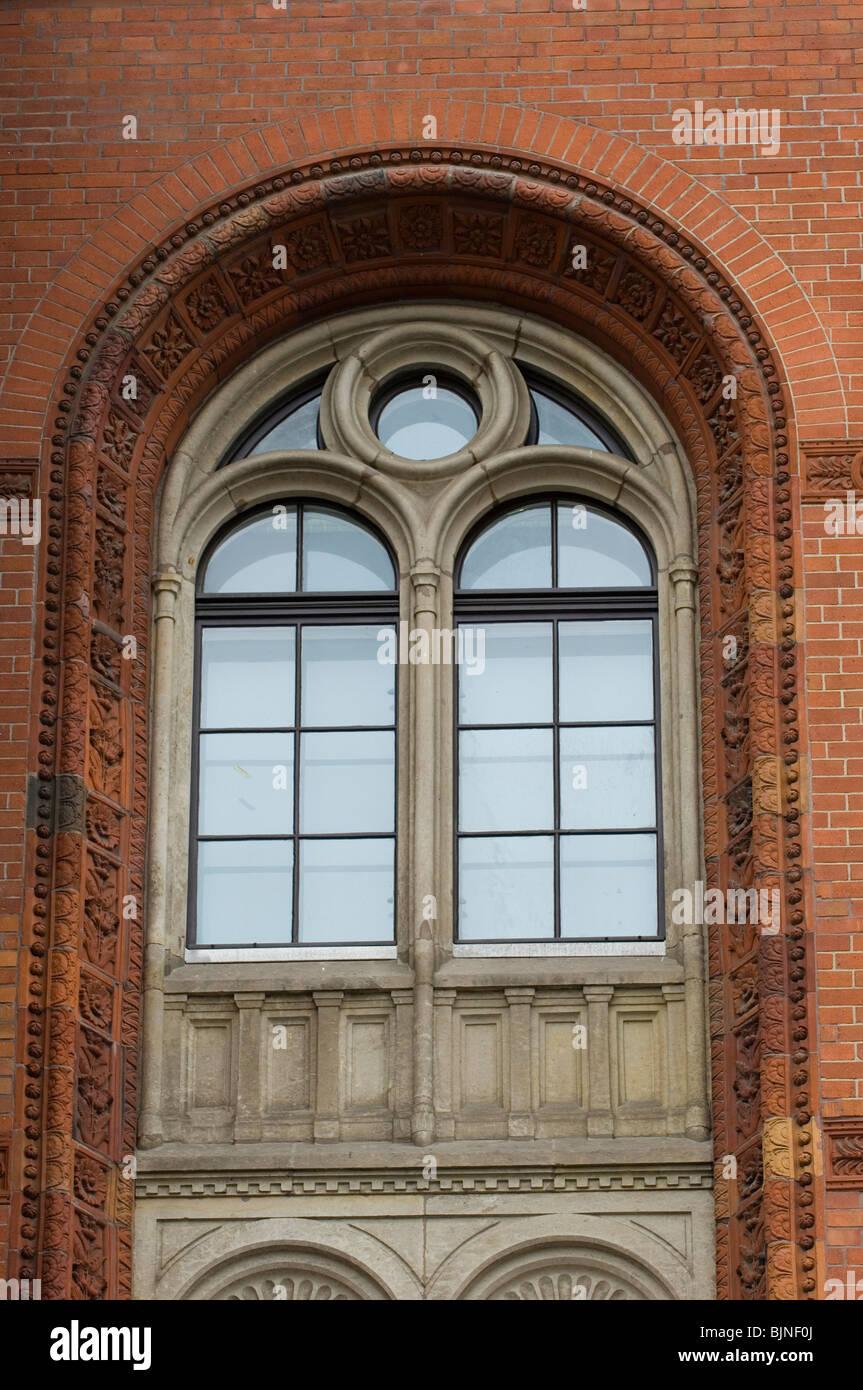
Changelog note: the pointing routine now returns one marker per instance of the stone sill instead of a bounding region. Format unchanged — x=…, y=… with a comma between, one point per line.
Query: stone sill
x=473, y=972
x=653, y=1152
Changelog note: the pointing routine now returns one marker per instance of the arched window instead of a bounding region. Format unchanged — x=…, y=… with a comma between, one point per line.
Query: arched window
x=293, y=424
x=558, y=416
x=294, y=822
x=557, y=824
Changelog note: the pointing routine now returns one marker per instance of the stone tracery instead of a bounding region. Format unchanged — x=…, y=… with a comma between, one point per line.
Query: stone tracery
x=422, y=223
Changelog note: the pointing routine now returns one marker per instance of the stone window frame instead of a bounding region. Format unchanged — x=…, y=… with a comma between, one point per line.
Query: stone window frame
x=654, y=489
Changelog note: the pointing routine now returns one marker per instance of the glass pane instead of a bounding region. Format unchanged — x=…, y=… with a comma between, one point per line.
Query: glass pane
x=347, y=890
x=557, y=425
x=246, y=784
x=298, y=430
x=606, y=779
x=346, y=783
x=339, y=555
x=259, y=557
x=514, y=683
x=344, y=681
x=415, y=427
x=506, y=888
x=506, y=779
x=607, y=885
x=606, y=671
x=595, y=552
x=512, y=553
x=247, y=677
x=245, y=892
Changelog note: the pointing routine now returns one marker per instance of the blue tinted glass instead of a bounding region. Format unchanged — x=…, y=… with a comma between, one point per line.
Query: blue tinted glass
x=346, y=890
x=558, y=425
x=258, y=557
x=340, y=555
x=597, y=552
x=506, y=888
x=417, y=424
x=512, y=553
x=297, y=430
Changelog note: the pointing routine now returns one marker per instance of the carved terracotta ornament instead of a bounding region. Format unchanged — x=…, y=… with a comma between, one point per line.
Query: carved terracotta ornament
x=404, y=224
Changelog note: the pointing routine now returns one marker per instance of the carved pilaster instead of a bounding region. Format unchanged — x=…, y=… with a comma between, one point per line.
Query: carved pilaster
x=328, y=1004
x=600, y=1120
x=521, y=1124
x=444, y=1000
x=403, y=1089
x=247, y=1120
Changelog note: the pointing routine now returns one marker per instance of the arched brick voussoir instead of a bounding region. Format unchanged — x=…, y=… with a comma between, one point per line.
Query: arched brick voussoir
x=159, y=213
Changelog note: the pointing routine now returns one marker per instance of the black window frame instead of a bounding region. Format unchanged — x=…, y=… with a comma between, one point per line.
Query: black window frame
x=343, y=608
x=482, y=607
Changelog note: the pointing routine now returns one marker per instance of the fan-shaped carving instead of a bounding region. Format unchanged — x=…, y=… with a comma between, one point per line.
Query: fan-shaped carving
x=287, y=1287
x=567, y=1272
x=566, y=1286
x=276, y=1275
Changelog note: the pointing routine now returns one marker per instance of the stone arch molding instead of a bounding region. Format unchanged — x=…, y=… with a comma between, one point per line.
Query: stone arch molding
x=535, y=137
x=585, y=1258
x=312, y=1260
x=540, y=1258
x=449, y=221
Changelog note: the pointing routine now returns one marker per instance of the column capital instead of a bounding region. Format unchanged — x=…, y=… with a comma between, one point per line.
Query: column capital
x=249, y=1001
x=598, y=994
x=425, y=572
x=166, y=591
x=166, y=581
x=683, y=570
x=328, y=998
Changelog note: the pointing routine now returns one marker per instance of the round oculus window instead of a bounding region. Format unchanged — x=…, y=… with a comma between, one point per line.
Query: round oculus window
x=428, y=421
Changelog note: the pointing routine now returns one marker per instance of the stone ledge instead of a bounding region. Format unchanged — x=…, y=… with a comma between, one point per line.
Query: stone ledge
x=473, y=1166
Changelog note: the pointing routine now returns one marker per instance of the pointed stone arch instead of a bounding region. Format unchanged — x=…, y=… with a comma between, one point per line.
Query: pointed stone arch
x=384, y=224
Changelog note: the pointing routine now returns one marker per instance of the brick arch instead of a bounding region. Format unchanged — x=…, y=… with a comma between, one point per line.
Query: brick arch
x=160, y=212
x=467, y=224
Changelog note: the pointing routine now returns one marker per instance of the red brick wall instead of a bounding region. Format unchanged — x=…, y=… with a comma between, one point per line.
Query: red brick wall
x=17, y=578
x=834, y=638
x=222, y=89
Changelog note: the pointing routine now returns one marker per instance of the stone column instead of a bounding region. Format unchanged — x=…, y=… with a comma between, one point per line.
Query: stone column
x=402, y=1065
x=425, y=578
x=444, y=1118
x=166, y=589
x=520, y=1123
x=175, y=1103
x=600, y=1120
x=328, y=1053
x=247, y=1118
x=675, y=1013
x=684, y=578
